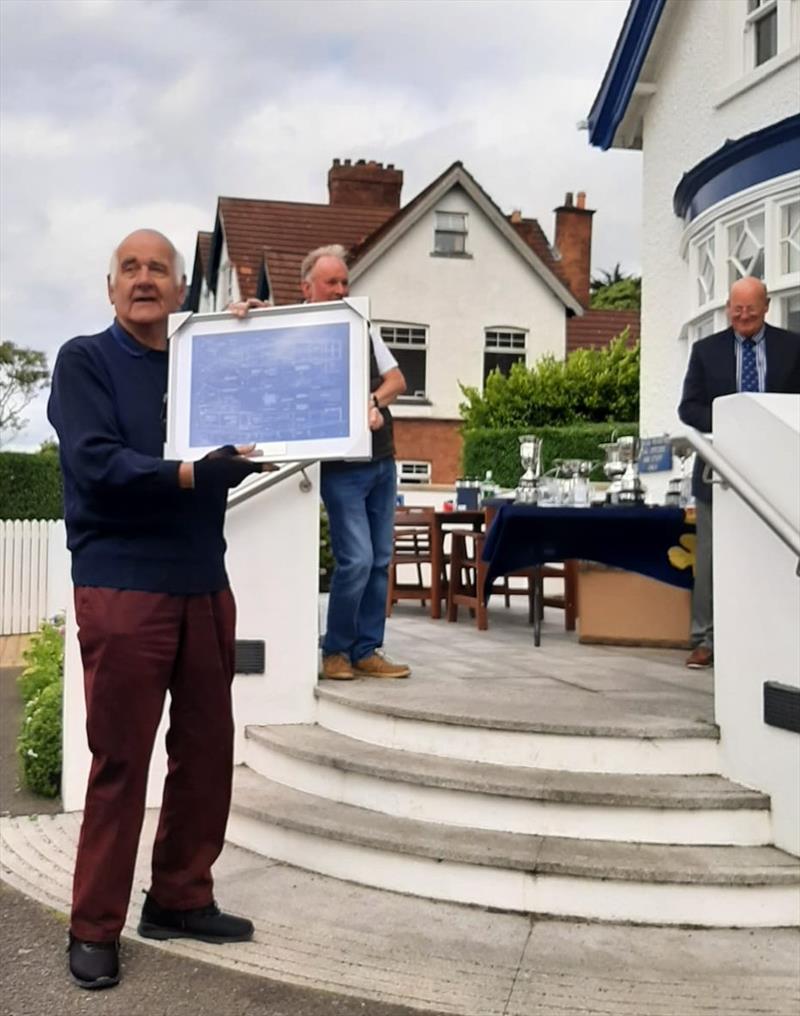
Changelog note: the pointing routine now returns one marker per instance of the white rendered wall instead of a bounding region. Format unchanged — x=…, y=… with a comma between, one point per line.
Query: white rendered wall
x=757, y=601
x=273, y=565
x=691, y=115
x=457, y=298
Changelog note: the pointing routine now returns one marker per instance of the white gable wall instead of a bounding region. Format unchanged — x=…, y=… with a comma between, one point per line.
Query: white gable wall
x=695, y=109
x=457, y=298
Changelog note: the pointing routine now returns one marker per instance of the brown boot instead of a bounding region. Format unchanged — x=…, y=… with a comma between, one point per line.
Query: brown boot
x=377, y=665
x=700, y=658
x=336, y=667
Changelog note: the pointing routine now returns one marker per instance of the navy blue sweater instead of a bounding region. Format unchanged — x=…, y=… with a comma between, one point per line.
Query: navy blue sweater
x=129, y=525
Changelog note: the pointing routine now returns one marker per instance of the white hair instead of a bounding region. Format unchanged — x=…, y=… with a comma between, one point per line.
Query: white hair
x=178, y=263
x=333, y=250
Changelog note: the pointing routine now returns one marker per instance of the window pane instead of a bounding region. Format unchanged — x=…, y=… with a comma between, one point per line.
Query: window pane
x=412, y=363
x=766, y=29
x=791, y=317
x=496, y=339
x=790, y=238
x=746, y=248
x=455, y=222
x=449, y=243
x=705, y=326
x=500, y=361
x=705, y=271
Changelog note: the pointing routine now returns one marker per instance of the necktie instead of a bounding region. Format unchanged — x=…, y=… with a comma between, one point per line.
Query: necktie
x=749, y=367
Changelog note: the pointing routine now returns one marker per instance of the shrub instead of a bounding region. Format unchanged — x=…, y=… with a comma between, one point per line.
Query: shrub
x=31, y=486
x=326, y=562
x=498, y=448
x=591, y=385
x=39, y=743
x=44, y=661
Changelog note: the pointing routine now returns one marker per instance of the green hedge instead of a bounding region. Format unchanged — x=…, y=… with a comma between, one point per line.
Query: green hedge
x=498, y=448
x=41, y=687
x=30, y=486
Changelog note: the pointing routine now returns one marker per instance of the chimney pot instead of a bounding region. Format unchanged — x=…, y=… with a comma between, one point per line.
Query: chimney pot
x=516, y=216
x=568, y=199
x=364, y=184
x=581, y=199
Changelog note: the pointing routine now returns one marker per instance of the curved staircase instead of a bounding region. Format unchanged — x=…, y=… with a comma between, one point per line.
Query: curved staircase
x=611, y=815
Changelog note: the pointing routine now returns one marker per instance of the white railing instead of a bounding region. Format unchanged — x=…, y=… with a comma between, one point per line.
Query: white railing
x=30, y=590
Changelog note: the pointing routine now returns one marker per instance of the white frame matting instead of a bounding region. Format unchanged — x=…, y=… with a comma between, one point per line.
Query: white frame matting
x=288, y=401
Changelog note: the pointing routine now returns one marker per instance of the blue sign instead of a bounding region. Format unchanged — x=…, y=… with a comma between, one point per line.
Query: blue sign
x=655, y=454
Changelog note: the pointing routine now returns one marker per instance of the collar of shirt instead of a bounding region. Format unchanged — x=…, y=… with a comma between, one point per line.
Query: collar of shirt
x=129, y=343
x=755, y=338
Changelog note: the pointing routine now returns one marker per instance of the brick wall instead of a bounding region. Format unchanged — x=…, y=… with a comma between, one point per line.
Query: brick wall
x=435, y=441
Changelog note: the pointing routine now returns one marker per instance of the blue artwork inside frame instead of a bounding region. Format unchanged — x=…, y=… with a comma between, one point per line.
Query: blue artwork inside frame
x=270, y=385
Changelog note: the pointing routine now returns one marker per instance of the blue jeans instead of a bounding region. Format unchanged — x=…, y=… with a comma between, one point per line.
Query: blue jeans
x=360, y=500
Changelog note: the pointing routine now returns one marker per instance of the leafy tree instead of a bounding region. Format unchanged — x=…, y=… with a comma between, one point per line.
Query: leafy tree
x=23, y=373
x=606, y=278
x=626, y=294
x=592, y=385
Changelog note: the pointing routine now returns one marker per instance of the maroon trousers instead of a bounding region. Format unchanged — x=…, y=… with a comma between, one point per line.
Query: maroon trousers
x=136, y=647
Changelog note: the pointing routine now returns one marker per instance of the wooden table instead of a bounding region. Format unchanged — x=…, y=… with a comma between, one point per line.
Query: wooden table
x=443, y=523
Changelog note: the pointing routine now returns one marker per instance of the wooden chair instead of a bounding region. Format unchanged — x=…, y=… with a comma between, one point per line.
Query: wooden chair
x=468, y=579
x=413, y=539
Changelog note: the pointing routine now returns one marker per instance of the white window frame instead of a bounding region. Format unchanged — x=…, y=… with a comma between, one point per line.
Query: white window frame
x=394, y=342
x=413, y=472
x=792, y=239
x=762, y=10
x=769, y=198
x=517, y=344
x=445, y=226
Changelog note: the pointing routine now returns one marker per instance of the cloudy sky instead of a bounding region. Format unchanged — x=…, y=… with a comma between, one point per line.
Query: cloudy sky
x=118, y=114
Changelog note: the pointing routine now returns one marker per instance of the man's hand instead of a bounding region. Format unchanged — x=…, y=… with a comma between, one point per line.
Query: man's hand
x=241, y=308
x=375, y=418
x=226, y=467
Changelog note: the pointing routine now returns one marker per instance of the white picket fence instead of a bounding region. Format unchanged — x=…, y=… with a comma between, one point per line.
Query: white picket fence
x=34, y=573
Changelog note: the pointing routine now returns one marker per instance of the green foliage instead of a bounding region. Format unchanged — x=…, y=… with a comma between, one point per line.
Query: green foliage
x=625, y=294
x=44, y=661
x=23, y=372
x=41, y=684
x=39, y=743
x=498, y=448
x=326, y=562
x=30, y=486
x=593, y=385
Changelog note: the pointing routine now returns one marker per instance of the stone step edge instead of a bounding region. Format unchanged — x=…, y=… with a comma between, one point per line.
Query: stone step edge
x=696, y=729
x=261, y=799
x=330, y=748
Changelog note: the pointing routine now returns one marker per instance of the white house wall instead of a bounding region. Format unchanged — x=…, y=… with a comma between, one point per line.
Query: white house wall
x=457, y=298
x=691, y=115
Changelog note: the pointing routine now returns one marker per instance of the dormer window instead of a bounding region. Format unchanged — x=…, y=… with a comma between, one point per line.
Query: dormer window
x=762, y=22
x=450, y=236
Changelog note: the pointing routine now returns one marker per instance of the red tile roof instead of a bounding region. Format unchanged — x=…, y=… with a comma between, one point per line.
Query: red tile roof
x=204, y=251
x=281, y=233
x=599, y=327
x=533, y=234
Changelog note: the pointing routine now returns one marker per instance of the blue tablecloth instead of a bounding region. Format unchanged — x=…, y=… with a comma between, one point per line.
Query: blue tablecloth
x=636, y=539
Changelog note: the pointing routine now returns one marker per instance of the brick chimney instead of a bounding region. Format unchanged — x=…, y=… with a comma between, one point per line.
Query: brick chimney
x=364, y=184
x=574, y=242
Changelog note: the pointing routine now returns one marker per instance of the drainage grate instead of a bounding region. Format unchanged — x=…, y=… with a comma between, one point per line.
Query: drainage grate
x=782, y=706
x=250, y=656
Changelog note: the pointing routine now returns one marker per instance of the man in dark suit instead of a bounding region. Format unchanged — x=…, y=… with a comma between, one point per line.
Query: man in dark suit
x=749, y=356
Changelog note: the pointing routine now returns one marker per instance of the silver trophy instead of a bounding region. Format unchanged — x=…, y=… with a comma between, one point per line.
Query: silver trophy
x=679, y=488
x=530, y=454
x=614, y=468
x=632, y=489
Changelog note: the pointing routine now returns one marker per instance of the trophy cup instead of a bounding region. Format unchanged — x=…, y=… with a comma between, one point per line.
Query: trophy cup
x=679, y=488
x=631, y=491
x=614, y=468
x=530, y=454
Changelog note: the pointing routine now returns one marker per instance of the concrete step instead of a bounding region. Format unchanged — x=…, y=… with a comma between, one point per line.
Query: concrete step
x=552, y=731
x=646, y=809
x=715, y=886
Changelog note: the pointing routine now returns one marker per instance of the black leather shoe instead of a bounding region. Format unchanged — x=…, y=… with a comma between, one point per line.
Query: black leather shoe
x=206, y=924
x=94, y=964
